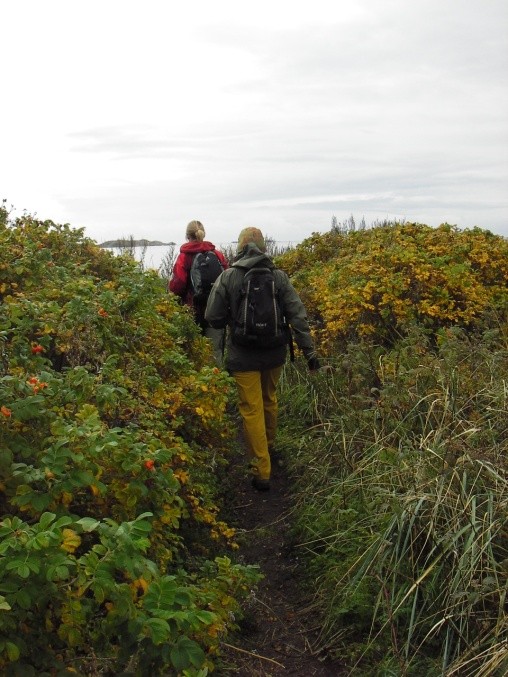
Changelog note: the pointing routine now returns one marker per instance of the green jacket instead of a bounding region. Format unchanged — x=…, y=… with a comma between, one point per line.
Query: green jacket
x=223, y=303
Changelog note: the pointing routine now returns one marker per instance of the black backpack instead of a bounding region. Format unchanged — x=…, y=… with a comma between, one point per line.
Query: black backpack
x=204, y=270
x=259, y=321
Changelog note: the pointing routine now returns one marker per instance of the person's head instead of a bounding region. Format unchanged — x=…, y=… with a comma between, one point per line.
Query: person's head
x=253, y=236
x=195, y=231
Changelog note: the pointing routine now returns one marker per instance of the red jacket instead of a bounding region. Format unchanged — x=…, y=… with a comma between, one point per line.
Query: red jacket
x=179, y=283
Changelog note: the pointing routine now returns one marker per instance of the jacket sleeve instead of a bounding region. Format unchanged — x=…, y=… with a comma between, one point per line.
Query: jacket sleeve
x=296, y=316
x=217, y=307
x=222, y=259
x=179, y=279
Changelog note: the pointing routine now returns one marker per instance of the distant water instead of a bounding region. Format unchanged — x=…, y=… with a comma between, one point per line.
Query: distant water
x=152, y=257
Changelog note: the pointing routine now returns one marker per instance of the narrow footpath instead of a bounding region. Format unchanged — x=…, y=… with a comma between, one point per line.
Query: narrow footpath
x=276, y=637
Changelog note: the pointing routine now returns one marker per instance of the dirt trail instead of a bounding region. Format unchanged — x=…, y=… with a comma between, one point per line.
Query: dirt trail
x=276, y=637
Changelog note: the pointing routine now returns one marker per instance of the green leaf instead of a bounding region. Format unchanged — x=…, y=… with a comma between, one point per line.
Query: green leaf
x=5, y=458
x=63, y=522
x=143, y=527
x=82, y=478
x=5, y=545
x=182, y=597
x=46, y=519
x=99, y=592
x=187, y=652
x=41, y=541
x=14, y=564
x=28, y=408
x=4, y=604
x=61, y=572
x=161, y=595
x=23, y=599
x=12, y=651
x=143, y=515
x=33, y=565
x=206, y=617
x=23, y=571
x=40, y=501
x=159, y=630
x=88, y=523
x=74, y=637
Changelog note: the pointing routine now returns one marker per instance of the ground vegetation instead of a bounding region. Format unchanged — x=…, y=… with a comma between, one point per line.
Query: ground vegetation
x=398, y=452
x=131, y=541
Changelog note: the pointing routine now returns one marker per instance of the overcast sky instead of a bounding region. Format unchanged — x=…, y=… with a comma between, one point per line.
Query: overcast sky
x=134, y=117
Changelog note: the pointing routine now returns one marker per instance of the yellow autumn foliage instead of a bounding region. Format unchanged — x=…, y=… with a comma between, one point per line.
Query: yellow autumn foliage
x=71, y=540
x=378, y=282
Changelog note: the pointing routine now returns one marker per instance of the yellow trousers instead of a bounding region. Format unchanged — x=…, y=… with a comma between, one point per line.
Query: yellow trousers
x=258, y=408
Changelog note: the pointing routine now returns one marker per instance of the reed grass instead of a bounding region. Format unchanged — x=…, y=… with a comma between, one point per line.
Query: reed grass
x=402, y=503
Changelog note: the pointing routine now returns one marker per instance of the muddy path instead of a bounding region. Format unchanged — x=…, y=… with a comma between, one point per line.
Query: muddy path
x=278, y=635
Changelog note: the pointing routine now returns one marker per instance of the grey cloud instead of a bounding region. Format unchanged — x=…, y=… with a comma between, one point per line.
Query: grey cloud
x=401, y=49
x=289, y=206
x=404, y=110
x=137, y=143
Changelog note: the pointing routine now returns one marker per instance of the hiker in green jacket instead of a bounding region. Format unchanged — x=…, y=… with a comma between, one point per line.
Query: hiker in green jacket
x=257, y=370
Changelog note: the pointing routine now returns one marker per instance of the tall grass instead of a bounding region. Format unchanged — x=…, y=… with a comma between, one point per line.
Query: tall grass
x=402, y=503
x=168, y=262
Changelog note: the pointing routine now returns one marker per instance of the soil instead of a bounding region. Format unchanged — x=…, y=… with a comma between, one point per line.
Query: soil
x=277, y=636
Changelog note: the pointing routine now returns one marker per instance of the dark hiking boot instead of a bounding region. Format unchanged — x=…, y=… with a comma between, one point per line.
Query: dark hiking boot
x=260, y=485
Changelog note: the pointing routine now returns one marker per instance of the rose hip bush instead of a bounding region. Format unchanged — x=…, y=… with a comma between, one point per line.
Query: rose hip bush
x=113, y=556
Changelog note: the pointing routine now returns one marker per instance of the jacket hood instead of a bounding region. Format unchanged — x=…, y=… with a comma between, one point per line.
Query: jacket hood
x=194, y=247
x=252, y=256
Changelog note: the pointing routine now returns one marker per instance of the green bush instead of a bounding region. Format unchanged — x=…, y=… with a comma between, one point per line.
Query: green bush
x=112, y=552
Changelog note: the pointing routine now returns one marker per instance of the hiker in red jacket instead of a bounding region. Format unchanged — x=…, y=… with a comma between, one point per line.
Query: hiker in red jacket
x=180, y=283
